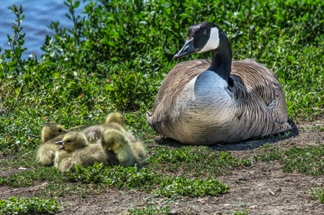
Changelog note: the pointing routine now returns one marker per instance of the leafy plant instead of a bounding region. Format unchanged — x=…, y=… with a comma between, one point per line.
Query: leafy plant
x=308, y=161
x=149, y=210
x=143, y=179
x=318, y=193
x=190, y=187
x=18, y=205
x=246, y=212
x=197, y=161
x=16, y=42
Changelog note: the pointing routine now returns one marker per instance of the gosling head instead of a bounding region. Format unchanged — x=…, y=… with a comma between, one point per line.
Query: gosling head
x=51, y=130
x=202, y=37
x=72, y=141
x=112, y=139
x=116, y=117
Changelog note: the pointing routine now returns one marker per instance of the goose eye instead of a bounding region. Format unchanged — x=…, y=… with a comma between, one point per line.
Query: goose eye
x=204, y=31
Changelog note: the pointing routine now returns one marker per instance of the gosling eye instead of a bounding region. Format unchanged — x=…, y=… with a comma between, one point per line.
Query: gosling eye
x=60, y=130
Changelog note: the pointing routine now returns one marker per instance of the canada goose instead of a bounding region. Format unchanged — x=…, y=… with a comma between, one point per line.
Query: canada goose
x=50, y=133
x=203, y=102
x=127, y=152
x=75, y=150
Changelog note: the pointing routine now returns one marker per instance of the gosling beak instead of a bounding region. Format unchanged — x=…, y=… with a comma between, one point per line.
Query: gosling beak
x=60, y=143
x=187, y=49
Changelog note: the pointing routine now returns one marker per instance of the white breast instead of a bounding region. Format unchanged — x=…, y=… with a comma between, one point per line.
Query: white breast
x=207, y=90
x=204, y=105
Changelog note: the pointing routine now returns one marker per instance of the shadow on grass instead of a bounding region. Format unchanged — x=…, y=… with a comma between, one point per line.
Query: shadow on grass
x=244, y=145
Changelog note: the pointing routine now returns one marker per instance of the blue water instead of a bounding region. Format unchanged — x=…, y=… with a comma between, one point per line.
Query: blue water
x=38, y=15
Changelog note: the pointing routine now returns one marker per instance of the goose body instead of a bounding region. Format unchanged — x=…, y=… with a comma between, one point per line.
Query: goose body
x=219, y=101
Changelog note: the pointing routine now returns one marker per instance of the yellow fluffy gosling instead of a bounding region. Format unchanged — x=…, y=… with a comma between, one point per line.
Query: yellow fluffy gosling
x=127, y=152
x=50, y=134
x=75, y=150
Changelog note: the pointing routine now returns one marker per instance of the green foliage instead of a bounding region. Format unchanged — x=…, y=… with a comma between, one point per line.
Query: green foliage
x=197, y=161
x=308, y=161
x=149, y=210
x=173, y=186
x=17, y=131
x=246, y=212
x=18, y=205
x=29, y=177
x=13, y=68
x=116, y=55
x=143, y=179
x=16, y=44
x=30, y=171
x=126, y=87
x=318, y=193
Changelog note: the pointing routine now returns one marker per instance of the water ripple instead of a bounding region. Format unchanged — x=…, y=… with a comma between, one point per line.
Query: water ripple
x=38, y=15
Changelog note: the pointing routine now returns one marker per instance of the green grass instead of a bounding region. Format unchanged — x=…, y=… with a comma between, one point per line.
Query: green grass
x=246, y=212
x=318, y=193
x=118, y=177
x=308, y=161
x=18, y=205
x=149, y=210
x=143, y=179
x=195, y=161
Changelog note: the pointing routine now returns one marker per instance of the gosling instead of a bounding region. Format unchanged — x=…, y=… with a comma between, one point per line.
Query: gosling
x=127, y=152
x=50, y=134
x=75, y=150
x=51, y=130
x=94, y=133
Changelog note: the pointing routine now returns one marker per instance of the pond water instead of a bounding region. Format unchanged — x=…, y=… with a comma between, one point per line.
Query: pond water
x=38, y=15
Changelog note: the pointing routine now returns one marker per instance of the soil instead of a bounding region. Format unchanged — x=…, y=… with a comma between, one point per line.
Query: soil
x=261, y=189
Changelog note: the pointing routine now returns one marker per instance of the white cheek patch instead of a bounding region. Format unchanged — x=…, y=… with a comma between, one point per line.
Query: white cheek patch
x=213, y=41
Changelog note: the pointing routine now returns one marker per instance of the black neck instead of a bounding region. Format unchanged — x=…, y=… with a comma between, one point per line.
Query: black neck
x=222, y=59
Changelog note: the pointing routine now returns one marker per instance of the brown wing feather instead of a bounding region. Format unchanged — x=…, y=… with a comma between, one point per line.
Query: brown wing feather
x=262, y=82
x=178, y=77
x=172, y=85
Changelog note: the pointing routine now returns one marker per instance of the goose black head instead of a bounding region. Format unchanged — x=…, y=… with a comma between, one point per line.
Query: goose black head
x=202, y=37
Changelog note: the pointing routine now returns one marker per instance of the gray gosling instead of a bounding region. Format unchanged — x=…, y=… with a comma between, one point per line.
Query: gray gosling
x=50, y=134
x=75, y=150
x=93, y=133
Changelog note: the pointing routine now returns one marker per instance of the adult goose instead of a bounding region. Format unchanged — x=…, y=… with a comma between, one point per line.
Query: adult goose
x=218, y=101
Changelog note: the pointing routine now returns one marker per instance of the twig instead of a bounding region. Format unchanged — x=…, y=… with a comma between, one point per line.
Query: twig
x=33, y=135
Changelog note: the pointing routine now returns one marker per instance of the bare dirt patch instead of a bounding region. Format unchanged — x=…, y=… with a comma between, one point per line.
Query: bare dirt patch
x=262, y=188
